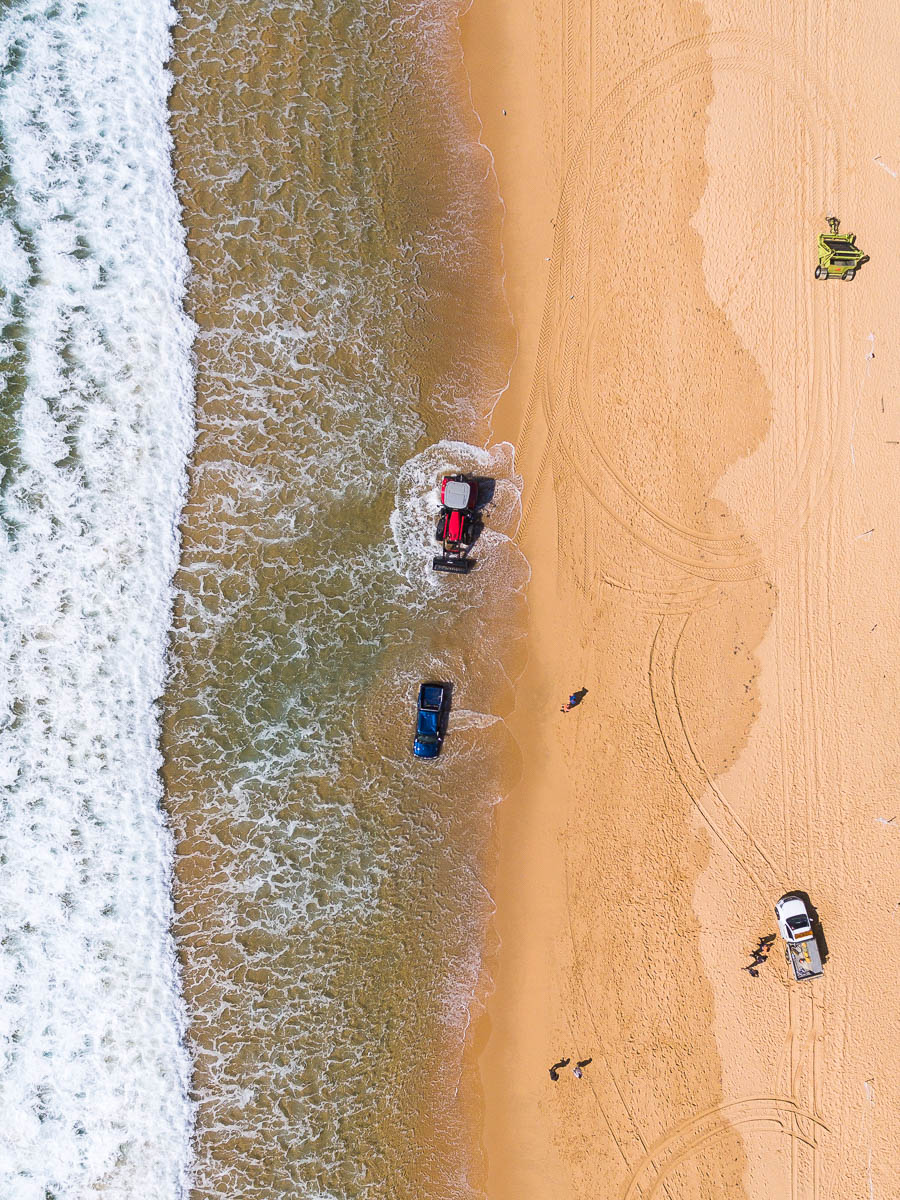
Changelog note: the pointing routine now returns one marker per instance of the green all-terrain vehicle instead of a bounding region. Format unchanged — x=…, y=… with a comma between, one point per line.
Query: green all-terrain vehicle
x=839, y=255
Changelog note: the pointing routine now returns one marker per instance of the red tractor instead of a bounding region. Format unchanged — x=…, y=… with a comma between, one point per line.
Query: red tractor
x=457, y=527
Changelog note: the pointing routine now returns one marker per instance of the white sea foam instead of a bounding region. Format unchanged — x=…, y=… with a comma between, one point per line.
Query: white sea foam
x=94, y=1078
x=465, y=718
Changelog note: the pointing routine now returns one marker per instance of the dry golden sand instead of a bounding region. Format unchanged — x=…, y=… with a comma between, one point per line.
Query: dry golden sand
x=710, y=441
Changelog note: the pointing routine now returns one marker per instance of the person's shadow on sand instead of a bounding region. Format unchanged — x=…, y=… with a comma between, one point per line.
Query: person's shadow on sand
x=576, y=698
x=555, y=1069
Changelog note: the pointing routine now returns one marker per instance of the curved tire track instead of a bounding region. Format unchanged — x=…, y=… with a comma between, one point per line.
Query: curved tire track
x=561, y=370
x=725, y=825
x=776, y=1114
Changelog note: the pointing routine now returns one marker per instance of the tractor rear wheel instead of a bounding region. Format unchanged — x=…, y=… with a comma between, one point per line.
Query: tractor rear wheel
x=821, y=272
x=848, y=275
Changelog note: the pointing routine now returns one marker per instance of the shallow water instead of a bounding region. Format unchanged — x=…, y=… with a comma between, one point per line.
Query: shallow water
x=95, y=421
x=342, y=225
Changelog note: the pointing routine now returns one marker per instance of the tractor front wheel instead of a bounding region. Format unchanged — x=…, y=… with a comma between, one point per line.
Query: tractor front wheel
x=848, y=275
x=821, y=272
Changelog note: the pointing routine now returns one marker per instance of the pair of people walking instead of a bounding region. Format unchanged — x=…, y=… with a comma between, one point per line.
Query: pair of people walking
x=760, y=954
x=577, y=1070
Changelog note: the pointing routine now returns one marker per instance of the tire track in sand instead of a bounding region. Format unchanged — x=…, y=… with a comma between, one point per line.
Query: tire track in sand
x=798, y=1072
x=562, y=369
x=754, y=860
x=700, y=553
x=767, y=1114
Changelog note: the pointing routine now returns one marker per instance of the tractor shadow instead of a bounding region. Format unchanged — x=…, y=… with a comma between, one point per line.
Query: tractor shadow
x=486, y=488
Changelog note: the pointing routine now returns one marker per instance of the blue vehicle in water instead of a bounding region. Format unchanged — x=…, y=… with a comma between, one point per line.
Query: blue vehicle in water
x=431, y=719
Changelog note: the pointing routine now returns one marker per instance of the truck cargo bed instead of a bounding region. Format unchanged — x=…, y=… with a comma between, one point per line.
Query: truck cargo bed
x=804, y=958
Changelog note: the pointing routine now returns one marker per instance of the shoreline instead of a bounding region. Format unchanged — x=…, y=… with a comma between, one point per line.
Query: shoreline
x=508, y=111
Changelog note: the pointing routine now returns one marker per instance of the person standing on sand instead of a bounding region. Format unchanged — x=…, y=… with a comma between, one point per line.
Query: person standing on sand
x=574, y=700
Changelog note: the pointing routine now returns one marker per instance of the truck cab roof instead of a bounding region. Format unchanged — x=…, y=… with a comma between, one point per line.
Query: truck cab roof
x=457, y=494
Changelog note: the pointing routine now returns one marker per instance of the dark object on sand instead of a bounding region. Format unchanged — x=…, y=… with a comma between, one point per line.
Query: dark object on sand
x=761, y=953
x=554, y=1070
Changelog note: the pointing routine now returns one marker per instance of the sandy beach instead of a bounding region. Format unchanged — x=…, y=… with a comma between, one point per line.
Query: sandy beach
x=710, y=442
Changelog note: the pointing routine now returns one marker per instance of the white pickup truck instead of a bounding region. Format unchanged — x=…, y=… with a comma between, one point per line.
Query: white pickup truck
x=795, y=926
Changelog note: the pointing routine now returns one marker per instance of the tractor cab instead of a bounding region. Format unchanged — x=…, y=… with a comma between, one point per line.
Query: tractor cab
x=457, y=526
x=839, y=255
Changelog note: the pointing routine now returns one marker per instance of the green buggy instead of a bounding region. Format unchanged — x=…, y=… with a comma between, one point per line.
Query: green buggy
x=839, y=255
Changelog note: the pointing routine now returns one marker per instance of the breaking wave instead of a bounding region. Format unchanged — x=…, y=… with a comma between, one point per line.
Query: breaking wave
x=96, y=425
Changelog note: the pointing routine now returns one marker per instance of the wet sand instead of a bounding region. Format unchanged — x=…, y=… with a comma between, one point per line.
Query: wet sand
x=709, y=441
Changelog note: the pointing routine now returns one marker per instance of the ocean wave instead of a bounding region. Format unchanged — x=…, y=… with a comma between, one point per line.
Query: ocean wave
x=98, y=425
